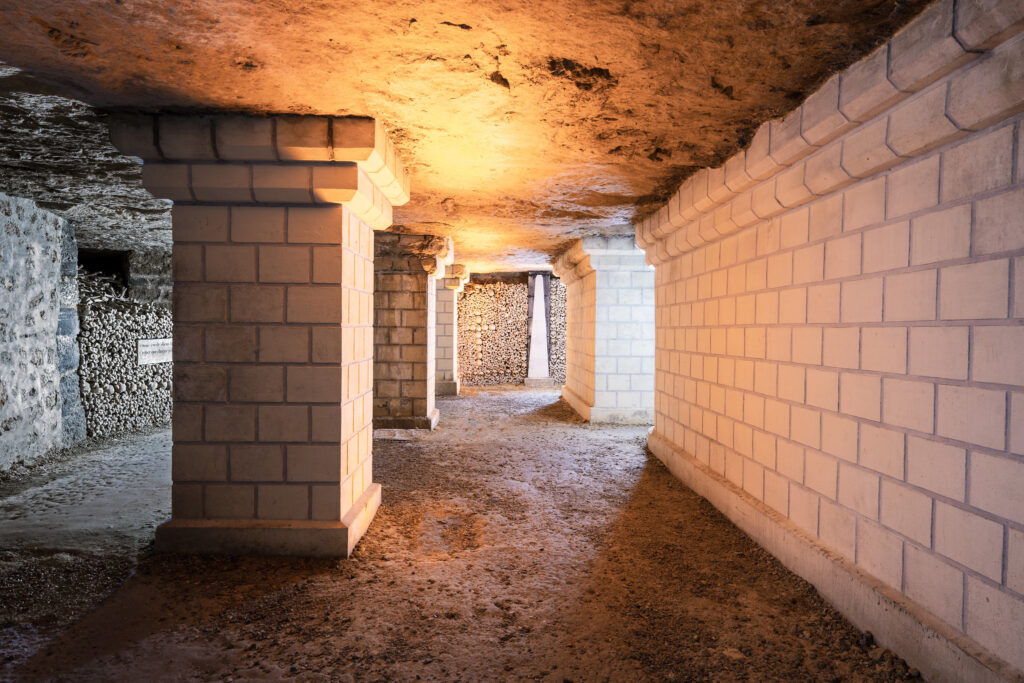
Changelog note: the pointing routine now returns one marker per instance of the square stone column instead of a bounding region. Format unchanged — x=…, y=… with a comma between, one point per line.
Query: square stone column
x=609, y=374
x=447, y=381
x=273, y=311
x=406, y=270
x=538, y=370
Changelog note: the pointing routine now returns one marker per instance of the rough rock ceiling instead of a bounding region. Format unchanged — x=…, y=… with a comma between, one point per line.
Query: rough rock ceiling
x=56, y=151
x=526, y=122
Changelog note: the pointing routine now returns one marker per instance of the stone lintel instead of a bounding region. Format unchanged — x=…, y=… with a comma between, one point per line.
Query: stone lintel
x=432, y=252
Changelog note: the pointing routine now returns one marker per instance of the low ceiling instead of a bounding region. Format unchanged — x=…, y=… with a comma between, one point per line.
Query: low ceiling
x=526, y=123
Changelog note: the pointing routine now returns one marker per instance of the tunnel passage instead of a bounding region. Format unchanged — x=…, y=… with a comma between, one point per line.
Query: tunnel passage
x=835, y=291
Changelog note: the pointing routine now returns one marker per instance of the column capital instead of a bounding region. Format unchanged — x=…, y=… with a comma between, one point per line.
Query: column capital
x=456, y=277
x=432, y=252
x=249, y=159
x=586, y=255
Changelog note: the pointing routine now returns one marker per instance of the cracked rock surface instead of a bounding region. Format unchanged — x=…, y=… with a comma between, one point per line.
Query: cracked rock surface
x=525, y=123
x=56, y=151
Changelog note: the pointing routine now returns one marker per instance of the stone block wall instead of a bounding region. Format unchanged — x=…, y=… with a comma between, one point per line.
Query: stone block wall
x=405, y=351
x=447, y=341
x=839, y=330
x=30, y=273
x=272, y=371
x=273, y=323
x=609, y=330
x=580, y=328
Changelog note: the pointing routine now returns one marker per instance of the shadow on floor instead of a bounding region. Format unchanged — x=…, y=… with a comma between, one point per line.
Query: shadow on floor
x=511, y=545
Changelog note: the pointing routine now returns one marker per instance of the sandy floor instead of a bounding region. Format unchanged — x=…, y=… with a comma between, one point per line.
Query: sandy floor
x=513, y=543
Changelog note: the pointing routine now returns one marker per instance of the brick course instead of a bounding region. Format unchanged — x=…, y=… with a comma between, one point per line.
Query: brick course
x=610, y=329
x=273, y=312
x=870, y=321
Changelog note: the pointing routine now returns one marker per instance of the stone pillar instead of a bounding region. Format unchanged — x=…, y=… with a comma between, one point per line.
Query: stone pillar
x=609, y=330
x=273, y=313
x=538, y=371
x=447, y=381
x=407, y=268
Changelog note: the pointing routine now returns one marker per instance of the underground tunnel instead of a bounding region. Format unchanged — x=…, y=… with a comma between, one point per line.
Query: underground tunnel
x=503, y=340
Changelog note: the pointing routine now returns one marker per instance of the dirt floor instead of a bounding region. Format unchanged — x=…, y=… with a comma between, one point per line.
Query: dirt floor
x=513, y=543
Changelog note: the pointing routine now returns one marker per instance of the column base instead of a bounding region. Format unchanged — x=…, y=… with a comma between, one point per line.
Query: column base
x=447, y=388
x=577, y=403
x=621, y=416
x=540, y=382
x=271, y=537
x=599, y=415
x=416, y=422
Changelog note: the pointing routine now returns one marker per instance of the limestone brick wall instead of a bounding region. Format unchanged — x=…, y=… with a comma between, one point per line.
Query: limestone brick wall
x=580, y=320
x=839, y=320
x=272, y=362
x=447, y=334
x=609, y=330
x=624, y=345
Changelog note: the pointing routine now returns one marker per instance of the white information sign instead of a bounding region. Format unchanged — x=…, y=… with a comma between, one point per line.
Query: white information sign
x=154, y=351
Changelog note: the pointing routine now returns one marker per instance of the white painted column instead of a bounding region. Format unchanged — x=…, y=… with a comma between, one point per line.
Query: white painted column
x=537, y=373
x=447, y=383
x=609, y=371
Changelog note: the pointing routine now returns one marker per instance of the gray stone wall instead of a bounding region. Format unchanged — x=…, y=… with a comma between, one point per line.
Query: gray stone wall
x=68, y=356
x=119, y=395
x=30, y=267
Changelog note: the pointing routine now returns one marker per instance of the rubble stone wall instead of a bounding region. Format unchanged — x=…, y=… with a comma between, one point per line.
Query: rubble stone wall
x=149, y=275
x=30, y=263
x=68, y=353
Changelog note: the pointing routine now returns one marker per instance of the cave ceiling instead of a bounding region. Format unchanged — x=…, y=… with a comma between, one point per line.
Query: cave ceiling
x=526, y=123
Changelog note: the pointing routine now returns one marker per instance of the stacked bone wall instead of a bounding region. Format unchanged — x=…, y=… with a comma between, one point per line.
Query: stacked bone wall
x=493, y=339
x=149, y=275
x=839, y=321
x=120, y=395
x=30, y=264
x=556, y=331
